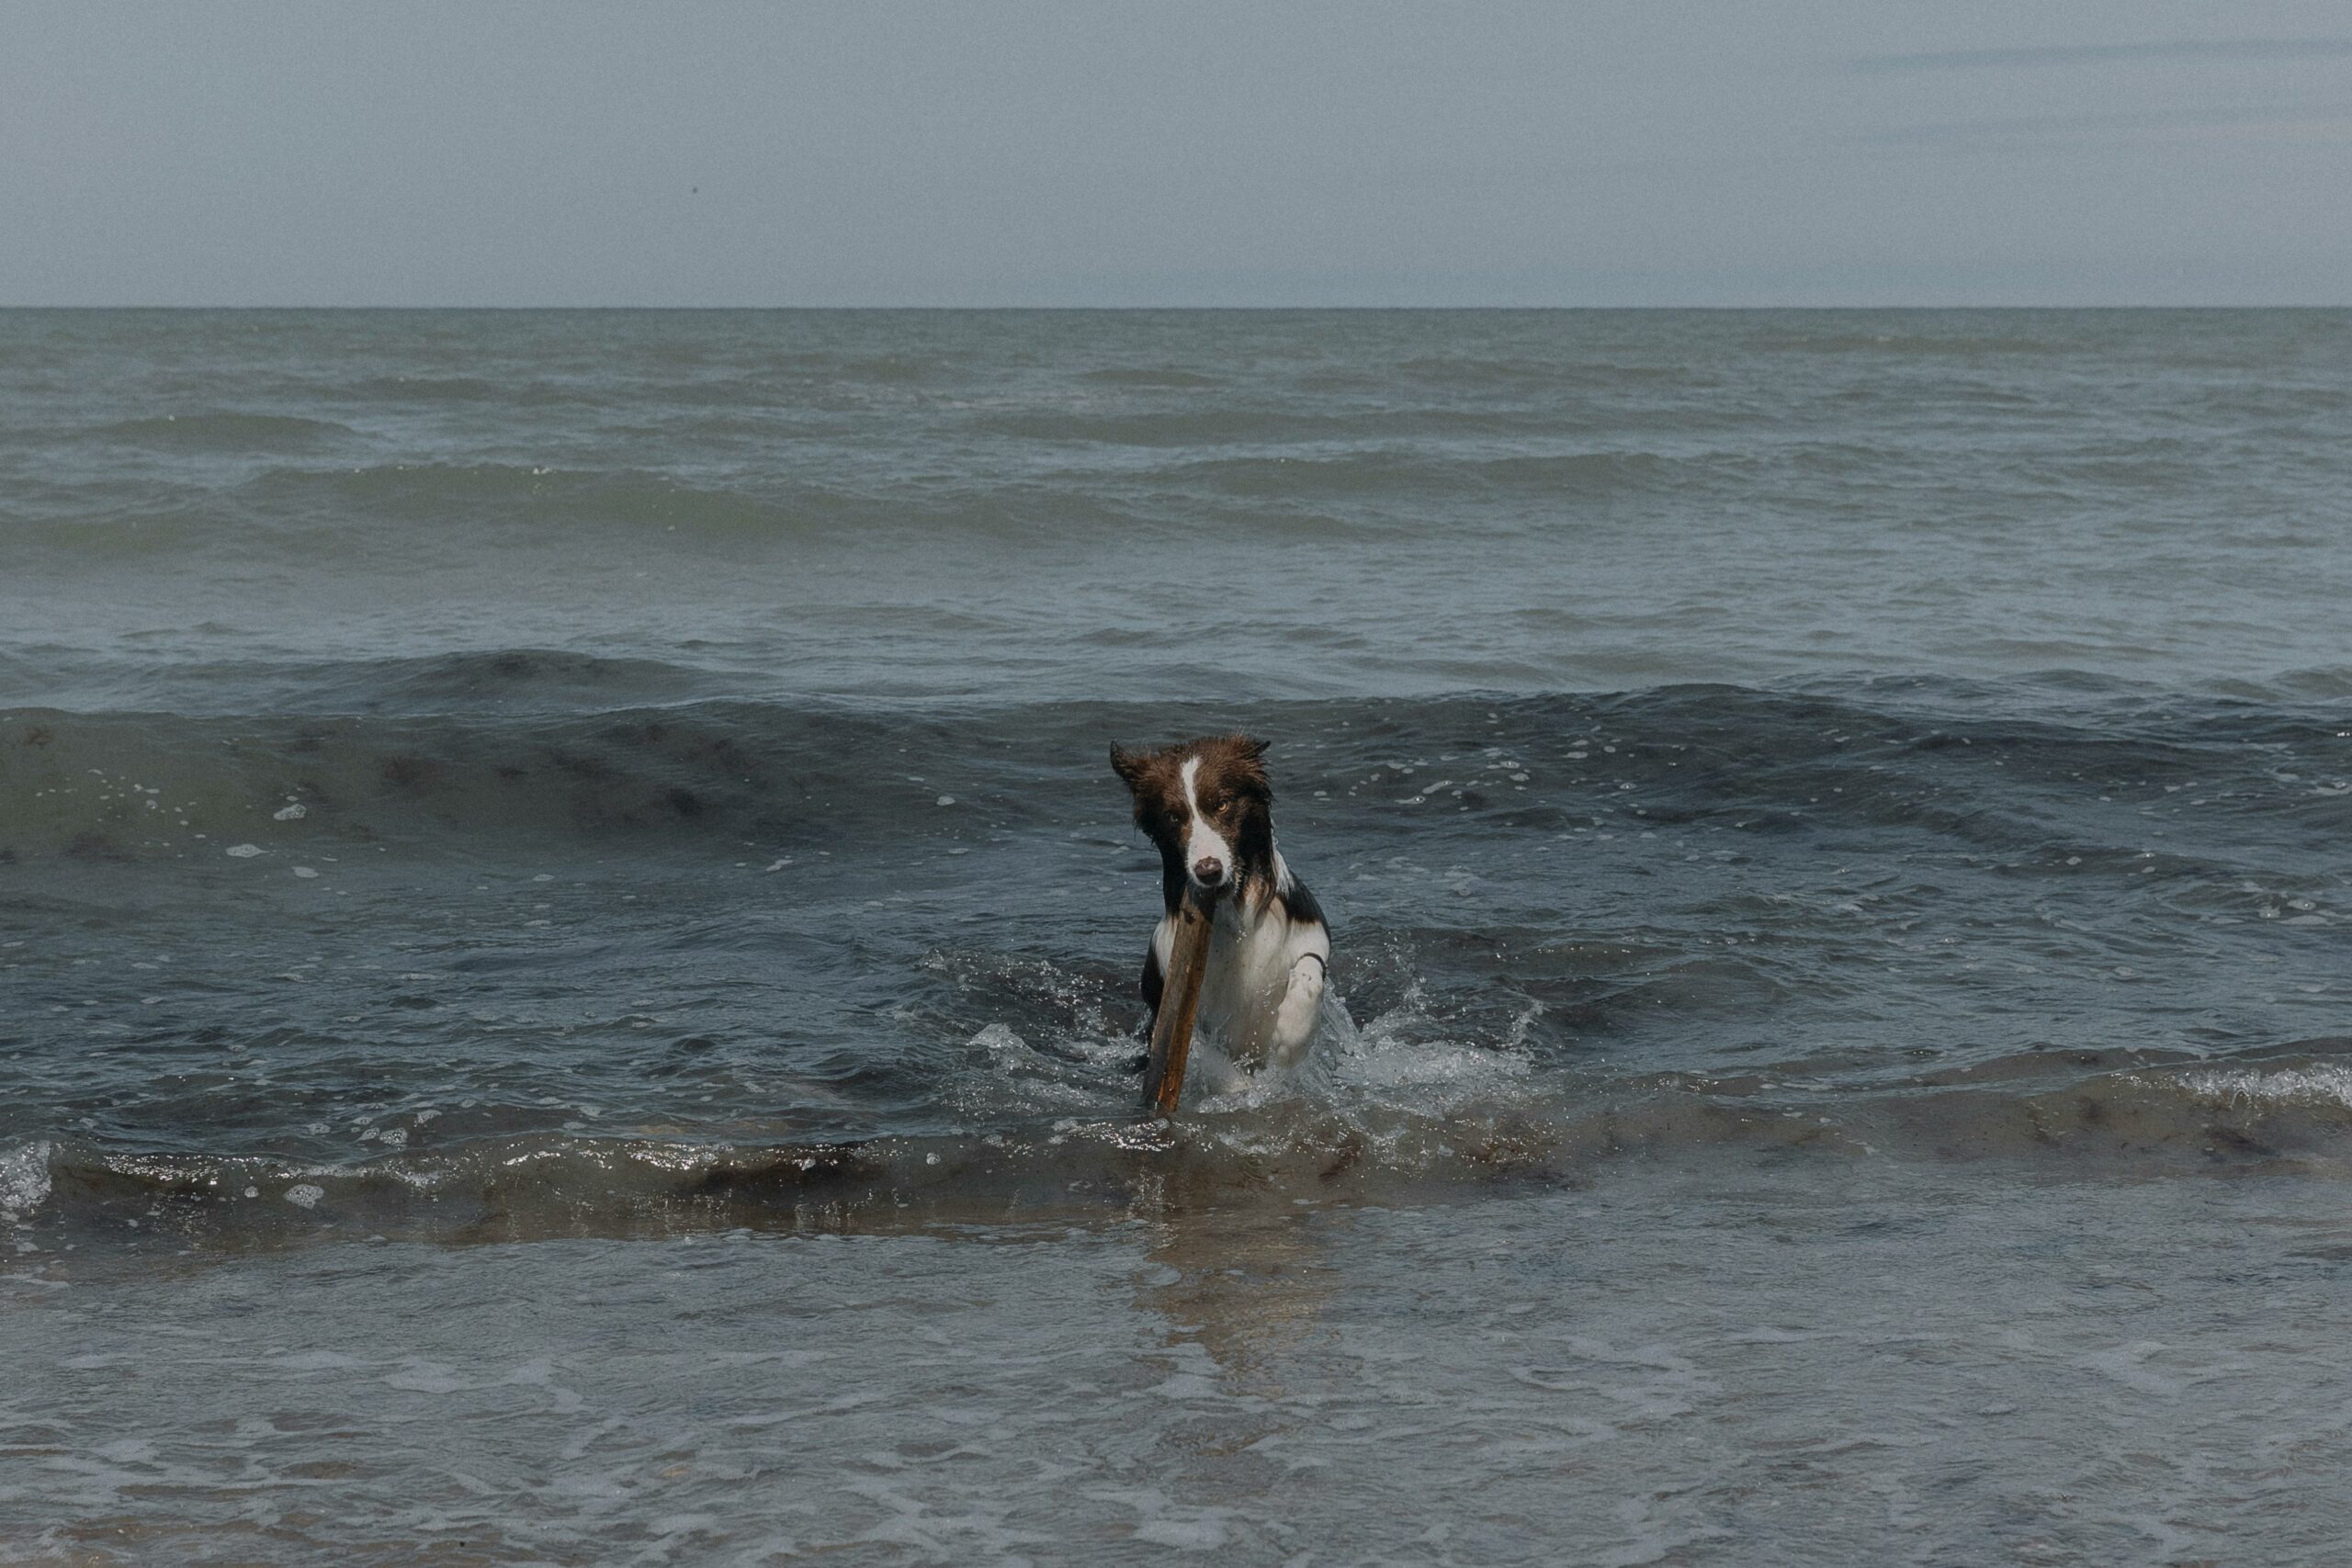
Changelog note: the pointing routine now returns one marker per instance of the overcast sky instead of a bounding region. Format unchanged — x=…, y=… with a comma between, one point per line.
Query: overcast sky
x=1097, y=152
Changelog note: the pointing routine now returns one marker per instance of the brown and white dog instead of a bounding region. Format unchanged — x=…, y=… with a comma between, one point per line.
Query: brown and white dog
x=1207, y=806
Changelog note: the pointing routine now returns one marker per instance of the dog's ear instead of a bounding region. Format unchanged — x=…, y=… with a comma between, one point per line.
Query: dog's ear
x=1247, y=764
x=1129, y=765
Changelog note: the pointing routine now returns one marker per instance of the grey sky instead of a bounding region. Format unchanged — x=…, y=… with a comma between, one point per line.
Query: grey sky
x=1085, y=151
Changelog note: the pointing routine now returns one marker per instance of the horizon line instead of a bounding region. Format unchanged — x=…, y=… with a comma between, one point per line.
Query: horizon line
x=1107, y=310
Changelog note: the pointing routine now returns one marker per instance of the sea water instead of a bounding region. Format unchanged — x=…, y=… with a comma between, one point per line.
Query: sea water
x=568, y=942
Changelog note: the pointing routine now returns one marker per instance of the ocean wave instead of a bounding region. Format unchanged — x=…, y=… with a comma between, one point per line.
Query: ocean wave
x=536, y=496
x=229, y=431
x=1169, y=377
x=464, y=507
x=135, y=786
x=1264, y=432
x=1364, y=1130
x=1972, y=343
x=1386, y=472
x=1499, y=372
x=287, y=519
x=487, y=744
x=397, y=389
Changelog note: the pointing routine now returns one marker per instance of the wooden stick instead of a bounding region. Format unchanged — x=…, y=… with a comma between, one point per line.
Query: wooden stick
x=1180, y=1000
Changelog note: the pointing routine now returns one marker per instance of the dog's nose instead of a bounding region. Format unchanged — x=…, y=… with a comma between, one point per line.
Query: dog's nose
x=1208, y=871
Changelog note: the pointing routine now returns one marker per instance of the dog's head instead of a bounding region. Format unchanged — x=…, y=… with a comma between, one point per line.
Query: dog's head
x=1207, y=806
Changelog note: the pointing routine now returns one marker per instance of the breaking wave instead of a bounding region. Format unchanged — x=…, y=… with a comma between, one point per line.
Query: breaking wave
x=1478, y=1119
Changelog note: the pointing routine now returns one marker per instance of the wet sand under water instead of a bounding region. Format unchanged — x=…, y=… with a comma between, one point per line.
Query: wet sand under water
x=1801, y=1359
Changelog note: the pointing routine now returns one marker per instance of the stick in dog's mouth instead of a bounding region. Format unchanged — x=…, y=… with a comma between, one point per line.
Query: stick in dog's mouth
x=1171, y=1027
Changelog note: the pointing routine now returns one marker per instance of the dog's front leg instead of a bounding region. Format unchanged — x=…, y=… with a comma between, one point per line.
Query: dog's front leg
x=1302, y=1005
x=1154, y=981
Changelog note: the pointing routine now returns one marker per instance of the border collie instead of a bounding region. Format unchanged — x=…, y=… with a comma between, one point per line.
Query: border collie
x=1207, y=806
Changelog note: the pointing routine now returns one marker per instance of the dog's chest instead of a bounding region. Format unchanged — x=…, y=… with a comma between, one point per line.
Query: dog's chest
x=1249, y=969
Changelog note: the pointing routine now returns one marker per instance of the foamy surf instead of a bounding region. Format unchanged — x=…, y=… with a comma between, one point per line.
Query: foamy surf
x=24, y=1180
x=2324, y=1086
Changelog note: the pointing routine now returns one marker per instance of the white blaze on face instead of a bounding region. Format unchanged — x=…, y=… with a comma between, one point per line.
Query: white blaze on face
x=1202, y=841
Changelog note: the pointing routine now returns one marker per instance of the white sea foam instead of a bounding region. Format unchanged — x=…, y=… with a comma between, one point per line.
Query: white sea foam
x=2328, y=1085
x=1395, y=1052
x=24, y=1180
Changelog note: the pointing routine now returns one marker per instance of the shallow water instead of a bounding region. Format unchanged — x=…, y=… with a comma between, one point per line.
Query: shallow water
x=1794, y=1363
x=568, y=942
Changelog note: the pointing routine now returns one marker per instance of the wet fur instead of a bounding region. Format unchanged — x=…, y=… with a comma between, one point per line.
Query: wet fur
x=1208, y=800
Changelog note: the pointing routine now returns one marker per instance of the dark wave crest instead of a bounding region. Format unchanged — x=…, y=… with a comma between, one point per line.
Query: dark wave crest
x=229, y=431
x=492, y=744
